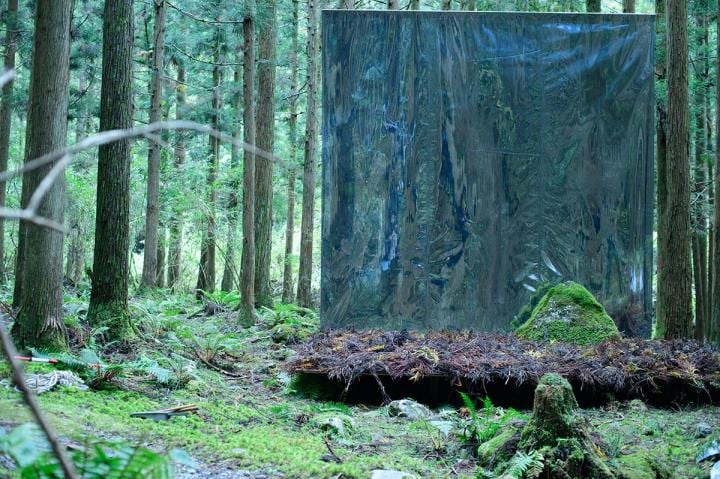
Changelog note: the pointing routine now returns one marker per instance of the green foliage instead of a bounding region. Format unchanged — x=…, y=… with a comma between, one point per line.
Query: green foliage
x=100, y=460
x=524, y=466
x=482, y=425
x=569, y=313
x=226, y=299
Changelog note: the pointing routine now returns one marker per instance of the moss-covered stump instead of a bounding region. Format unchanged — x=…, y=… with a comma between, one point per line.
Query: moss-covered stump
x=560, y=435
x=569, y=313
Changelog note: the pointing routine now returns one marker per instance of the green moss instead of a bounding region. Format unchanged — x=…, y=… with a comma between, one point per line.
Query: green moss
x=569, y=313
x=114, y=316
x=642, y=466
x=499, y=448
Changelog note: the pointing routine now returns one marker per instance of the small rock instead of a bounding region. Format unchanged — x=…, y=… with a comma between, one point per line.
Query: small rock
x=338, y=425
x=388, y=474
x=409, y=409
x=637, y=405
x=703, y=429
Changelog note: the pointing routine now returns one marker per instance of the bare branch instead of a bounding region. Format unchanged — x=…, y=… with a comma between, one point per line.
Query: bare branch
x=29, y=398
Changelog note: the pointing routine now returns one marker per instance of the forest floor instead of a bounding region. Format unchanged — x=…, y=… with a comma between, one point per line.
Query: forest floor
x=253, y=424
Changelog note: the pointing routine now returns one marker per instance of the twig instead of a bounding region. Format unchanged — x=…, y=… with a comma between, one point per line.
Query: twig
x=203, y=20
x=332, y=453
x=29, y=398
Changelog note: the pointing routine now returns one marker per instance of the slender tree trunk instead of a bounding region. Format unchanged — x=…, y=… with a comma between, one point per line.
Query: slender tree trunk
x=715, y=327
x=39, y=321
x=304, y=297
x=206, y=273
x=628, y=6
x=709, y=300
x=176, y=221
x=6, y=116
x=593, y=6
x=229, y=279
x=287, y=294
x=109, y=296
x=152, y=209
x=246, y=314
x=162, y=244
x=661, y=160
x=676, y=289
x=267, y=43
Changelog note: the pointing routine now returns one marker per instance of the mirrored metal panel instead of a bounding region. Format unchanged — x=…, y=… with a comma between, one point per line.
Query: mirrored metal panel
x=470, y=157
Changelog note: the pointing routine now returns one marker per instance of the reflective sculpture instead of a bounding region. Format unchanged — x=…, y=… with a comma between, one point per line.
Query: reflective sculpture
x=470, y=157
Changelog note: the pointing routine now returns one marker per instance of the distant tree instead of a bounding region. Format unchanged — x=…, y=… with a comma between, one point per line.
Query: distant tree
x=39, y=272
x=308, y=205
x=287, y=291
x=206, y=271
x=676, y=297
x=593, y=5
x=247, y=275
x=267, y=44
x=6, y=114
x=152, y=208
x=715, y=326
x=229, y=279
x=176, y=221
x=109, y=295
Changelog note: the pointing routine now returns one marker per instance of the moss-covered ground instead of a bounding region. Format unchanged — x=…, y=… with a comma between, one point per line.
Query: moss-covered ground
x=254, y=421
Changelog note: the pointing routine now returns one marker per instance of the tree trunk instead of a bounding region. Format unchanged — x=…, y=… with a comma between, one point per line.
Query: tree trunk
x=152, y=208
x=292, y=170
x=393, y=4
x=342, y=5
x=206, y=272
x=446, y=5
x=176, y=222
x=39, y=321
x=628, y=6
x=162, y=244
x=593, y=5
x=676, y=299
x=304, y=297
x=715, y=327
x=661, y=159
x=711, y=207
x=6, y=116
x=267, y=43
x=247, y=276
x=414, y=4
x=229, y=279
x=470, y=6
x=109, y=296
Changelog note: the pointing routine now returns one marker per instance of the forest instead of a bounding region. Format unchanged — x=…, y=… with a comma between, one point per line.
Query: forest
x=160, y=269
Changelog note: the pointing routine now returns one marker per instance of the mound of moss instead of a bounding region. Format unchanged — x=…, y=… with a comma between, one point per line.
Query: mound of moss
x=569, y=313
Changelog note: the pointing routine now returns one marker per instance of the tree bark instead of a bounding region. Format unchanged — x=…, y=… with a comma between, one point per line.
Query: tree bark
x=661, y=159
x=6, y=116
x=593, y=6
x=152, y=208
x=628, y=6
x=304, y=297
x=109, y=295
x=206, y=272
x=715, y=326
x=229, y=279
x=287, y=295
x=39, y=321
x=176, y=221
x=709, y=300
x=246, y=313
x=676, y=298
x=267, y=43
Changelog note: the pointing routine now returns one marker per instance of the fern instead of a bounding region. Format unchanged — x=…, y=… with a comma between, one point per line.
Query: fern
x=524, y=466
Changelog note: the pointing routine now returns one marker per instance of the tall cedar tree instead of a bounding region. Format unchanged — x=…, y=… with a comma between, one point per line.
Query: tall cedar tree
x=206, y=272
x=39, y=272
x=6, y=114
x=304, y=297
x=246, y=313
x=287, y=291
x=267, y=43
x=675, y=302
x=229, y=279
x=109, y=295
x=176, y=221
x=715, y=326
x=152, y=206
x=661, y=157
